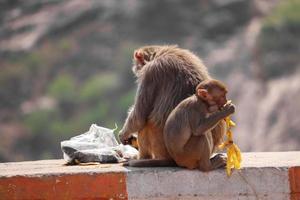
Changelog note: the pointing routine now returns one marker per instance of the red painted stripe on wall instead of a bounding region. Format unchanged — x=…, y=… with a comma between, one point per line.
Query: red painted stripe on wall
x=294, y=178
x=102, y=186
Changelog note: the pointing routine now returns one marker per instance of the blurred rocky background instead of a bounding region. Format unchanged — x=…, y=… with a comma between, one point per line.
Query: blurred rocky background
x=65, y=64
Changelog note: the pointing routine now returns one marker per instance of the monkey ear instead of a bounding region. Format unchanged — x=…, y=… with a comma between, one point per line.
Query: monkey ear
x=202, y=93
x=138, y=55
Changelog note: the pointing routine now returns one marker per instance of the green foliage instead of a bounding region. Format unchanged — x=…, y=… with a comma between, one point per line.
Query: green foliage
x=285, y=15
x=61, y=129
x=17, y=75
x=99, y=86
x=65, y=45
x=97, y=114
x=279, y=40
x=63, y=88
x=12, y=90
x=126, y=100
x=38, y=122
x=33, y=61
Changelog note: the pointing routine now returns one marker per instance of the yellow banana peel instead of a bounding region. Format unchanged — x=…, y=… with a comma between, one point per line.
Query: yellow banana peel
x=234, y=157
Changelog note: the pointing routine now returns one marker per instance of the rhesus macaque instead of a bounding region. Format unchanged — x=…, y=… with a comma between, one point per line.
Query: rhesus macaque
x=188, y=131
x=165, y=75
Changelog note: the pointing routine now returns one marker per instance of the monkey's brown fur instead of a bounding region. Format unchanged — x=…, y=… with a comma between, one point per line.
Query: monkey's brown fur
x=192, y=133
x=166, y=75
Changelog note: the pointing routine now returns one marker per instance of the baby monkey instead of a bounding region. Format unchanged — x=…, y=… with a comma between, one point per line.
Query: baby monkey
x=190, y=131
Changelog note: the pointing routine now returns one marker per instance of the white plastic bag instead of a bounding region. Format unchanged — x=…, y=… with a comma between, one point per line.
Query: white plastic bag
x=96, y=145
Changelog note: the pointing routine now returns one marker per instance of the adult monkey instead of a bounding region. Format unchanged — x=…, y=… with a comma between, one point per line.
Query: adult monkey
x=165, y=75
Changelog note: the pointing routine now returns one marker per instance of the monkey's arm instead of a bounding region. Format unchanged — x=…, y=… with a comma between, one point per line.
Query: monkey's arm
x=208, y=123
x=142, y=108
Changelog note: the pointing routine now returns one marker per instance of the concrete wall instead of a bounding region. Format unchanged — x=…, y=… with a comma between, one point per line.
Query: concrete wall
x=274, y=175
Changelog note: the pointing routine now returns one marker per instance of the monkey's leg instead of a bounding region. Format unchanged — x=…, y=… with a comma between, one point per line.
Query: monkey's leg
x=205, y=144
x=157, y=146
x=208, y=146
x=144, y=144
x=195, y=154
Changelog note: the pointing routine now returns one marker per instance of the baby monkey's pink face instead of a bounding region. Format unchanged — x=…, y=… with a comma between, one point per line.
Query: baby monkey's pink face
x=212, y=92
x=218, y=97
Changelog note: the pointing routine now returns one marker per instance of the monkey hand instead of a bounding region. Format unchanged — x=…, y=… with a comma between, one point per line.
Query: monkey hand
x=228, y=109
x=124, y=137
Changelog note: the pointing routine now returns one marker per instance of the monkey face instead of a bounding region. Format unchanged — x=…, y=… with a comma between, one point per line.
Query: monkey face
x=213, y=92
x=219, y=97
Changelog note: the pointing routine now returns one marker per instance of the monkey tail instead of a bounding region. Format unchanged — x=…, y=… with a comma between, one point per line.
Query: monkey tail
x=150, y=163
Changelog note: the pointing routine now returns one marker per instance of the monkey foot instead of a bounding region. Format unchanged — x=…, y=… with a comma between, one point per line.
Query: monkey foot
x=219, y=161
